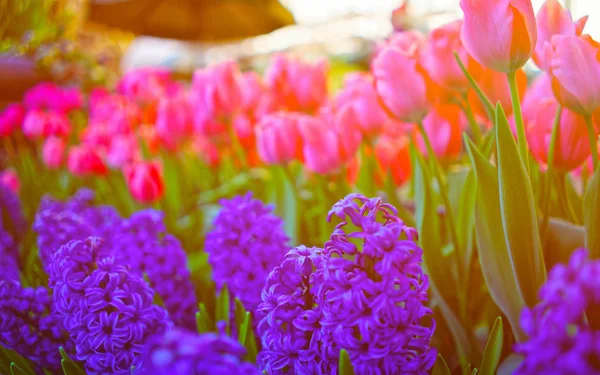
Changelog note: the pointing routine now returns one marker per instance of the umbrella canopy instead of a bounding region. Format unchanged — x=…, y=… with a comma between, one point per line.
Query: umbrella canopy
x=200, y=20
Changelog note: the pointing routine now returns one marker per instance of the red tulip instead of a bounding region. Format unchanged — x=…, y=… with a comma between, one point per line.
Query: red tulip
x=439, y=60
x=11, y=119
x=297, y=85
x=499, y=34
x=397, y=66
x=444, y=127
x=393, y=155
x=145, y=181
x=572, y=145
x=9, y=178
x=277, y=138
x=53, y=152
x=83, y=160
x=575, y=71
x=553, y=19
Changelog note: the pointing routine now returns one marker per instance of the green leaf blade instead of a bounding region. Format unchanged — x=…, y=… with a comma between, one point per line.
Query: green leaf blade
x=345, y=366
x=493, y=349
x=591, y=216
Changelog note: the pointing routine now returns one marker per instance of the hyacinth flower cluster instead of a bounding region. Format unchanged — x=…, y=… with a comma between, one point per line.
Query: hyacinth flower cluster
x=141, y=242
x=247, y=241
x=563, y=329
x=180, y=352
x=364, y=292
x=107, y=310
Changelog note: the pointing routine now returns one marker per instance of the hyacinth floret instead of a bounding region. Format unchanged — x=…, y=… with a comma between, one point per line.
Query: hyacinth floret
x=29, y=325
x=564, y=327
x=108, y=311
x=181, y=352
x=246, y=242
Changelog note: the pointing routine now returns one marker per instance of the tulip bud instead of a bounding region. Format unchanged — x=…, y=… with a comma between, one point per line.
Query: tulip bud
x=572, y=144
x=9, y=178
x=278, y=139
x=396, y=66
x=145, y=181
x=297, y=85
x=83, y=160
x=393, y=155
x=174, y=121
x=444, y=127
x=553, y=19
x=499, y=34
x=575, y=72
x=11, y=119
x=53, y=151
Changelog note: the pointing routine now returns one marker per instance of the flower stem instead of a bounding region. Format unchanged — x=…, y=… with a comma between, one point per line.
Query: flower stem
x=237, y=147
x=593, y=140
x=489, y=107
x=516, y=102
x=290, y=177
x=547, y=198
x=444, y=194
x=475, y=129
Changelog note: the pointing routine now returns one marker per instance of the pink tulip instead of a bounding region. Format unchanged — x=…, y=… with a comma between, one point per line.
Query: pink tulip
x=9, y=178
x=83, y=160
x=49, y=96
x=320, y=145
x=393, y=156
x=40, y=124
x=174, y=121
x=145, y=85
x=575, y=71
x=553, y=19
x=145, y=181
x=358, y=105
x=122, y=151
x=439, y=60
x=244, y=127
x=444, y=127
x=572, y=145
x=11, y=119
x=499, y=34
x=539, y=90
x=297, y=85
x=395, y=68
x=277, y=138
x=53, y=151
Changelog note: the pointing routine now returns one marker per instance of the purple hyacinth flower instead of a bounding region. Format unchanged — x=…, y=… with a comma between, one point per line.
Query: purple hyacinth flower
x=180, y=352
x=11, y=214
x=246, y=242
x=365, y=292
x=29, y=326
x=108, y=311
x=564, y=328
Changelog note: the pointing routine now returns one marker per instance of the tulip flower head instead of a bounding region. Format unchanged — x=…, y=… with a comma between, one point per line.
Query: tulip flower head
x=553, y=19
x=9, y=178
x=53, y=152
x=145, y=181
x=40, y=124
x=499, y=34
x=393, y=155
x=400, y=80
x=444, y=127
x=84, y=160
x=297, y=85
x=278, y=138
x=575, y=71
x=11, y=118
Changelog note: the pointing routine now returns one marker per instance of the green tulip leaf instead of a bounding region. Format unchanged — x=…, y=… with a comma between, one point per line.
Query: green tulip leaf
x=222, y=308
x=519, y=217
x=591, y=215
x=23, y=364
x=203, y=321
x=494, y=257
x=493, y=349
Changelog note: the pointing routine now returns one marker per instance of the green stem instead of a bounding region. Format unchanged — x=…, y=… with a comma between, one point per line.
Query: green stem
x=475, y=129
x=564, y=198
x=547, y=198
x=237, y=147
x=290, y=176
x=489, y=107
x=516, y=102
x=444, y=194
x=593, y=140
